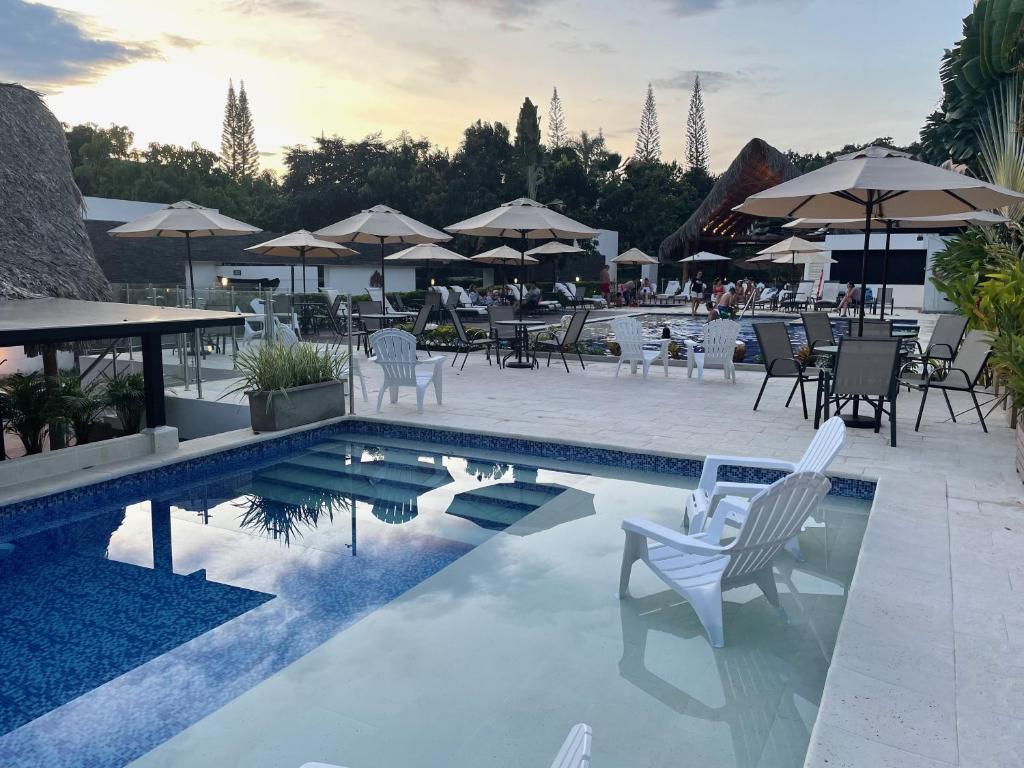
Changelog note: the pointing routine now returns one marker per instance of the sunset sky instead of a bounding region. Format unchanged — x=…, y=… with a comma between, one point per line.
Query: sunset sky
x=804, y=74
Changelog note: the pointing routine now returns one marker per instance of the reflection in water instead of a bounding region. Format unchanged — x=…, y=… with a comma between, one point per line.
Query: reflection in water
x=284, y=521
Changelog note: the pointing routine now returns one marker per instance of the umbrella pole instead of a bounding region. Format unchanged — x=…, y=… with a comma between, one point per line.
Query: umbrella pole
x=291, y=269
x=191, y=278
x=383, y=293
x=869, y=210
x=302, y=251
x=885, y=266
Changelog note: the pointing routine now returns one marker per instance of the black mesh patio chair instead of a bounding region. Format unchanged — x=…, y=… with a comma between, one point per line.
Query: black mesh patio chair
x=452, y=302
x=432, y=300
x=962, y=375
x=779, y=361
x=944, y=342
x=503, y=335
x=567, y=341
x=419, y=326
x=464, y=345
x=866, y=372
x=370, y=324
x=397, y=303
x=818, y=328
x=873, y=329
x=876, y=299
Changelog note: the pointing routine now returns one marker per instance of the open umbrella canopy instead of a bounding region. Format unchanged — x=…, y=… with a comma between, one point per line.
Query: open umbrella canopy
x=300, y=244
x=522, y=218
x=911, y=223
x=634, y=256
x=877, y=183
x=184, y=219
x=554, y=247
x=791, y=246
x=383, y=225
x=504, y=255
x=815, y=257
x=704, y=256
x=427, y=252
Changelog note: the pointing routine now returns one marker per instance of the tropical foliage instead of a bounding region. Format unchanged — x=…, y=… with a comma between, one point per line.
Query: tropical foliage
x=277, y=368
x=126, y=394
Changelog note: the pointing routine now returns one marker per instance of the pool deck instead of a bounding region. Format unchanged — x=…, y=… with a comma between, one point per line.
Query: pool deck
x=925, y=672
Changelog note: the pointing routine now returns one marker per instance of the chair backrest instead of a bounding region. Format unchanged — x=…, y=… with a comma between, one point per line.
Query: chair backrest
x=866, y=366
x=420, y=324
x=498, y=312
x=396, y=302
x=818, y=328
x=575, y=751
x=775, y=515
x=565, y=290
x=284, y=334
x=629, y=334
x=451, y=300
x=830, y=291
x=460, y=329
x=970, y=360
x=575, y=327
x=375, y=294
x=282, y=303
x=672, y=288
x=516, y=291
x=776, y=349
x=873, y=329
x=257, y=306
x=431, y=299
x=369, y=308
x=463, y=297
x=804, y=288
x=945, y=340
x=824, y=447
x=720, y=340
x=395, y=351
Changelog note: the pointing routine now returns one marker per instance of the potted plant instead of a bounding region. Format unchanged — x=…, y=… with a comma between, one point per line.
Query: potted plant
x=126, y=394
x=291, y=386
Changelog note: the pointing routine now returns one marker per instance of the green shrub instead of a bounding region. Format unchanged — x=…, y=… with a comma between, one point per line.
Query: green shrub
x=80, y=405
x=277, y=368
x=27, y=408
x=126, y=394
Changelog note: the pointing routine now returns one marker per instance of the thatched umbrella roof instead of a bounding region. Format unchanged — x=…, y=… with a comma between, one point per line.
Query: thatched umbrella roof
x=756, y=168
x=44, y=247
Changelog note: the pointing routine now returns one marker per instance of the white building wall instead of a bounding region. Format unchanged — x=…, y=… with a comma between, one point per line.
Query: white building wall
x=18, y=362
x=356, y=279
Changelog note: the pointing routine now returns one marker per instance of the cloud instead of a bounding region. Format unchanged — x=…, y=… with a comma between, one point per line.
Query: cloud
x=177, y=41
x=597, y=46
x=49, y=48
x=503, y=9
x=695, y=7
x=711, y=80
x=309, y=9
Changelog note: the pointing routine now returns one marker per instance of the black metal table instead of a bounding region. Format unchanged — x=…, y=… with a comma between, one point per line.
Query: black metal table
x=521, y=343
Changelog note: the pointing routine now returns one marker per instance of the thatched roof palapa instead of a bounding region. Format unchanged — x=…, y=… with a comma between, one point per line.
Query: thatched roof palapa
x=757, y=167
x=44, y=247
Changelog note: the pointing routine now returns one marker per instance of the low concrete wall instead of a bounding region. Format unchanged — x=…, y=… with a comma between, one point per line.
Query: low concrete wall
x=200, y=418
x=47, y=465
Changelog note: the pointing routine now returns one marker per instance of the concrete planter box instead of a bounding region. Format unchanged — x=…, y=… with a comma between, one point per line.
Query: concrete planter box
x=1020, y=445
x=271, y=411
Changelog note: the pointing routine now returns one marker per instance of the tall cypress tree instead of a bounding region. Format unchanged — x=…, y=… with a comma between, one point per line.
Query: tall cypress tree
x=527, y=146
x=697, y=149
x=648, y=138
x=558, y=135
x=248, y=154
x=228, y=134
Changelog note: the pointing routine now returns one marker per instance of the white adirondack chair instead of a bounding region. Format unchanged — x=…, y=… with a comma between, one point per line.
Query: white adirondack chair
x=671, y=289
x=719, y=347
x=714, y=503
x=629, y=334
x=700, y=570
x=575, y=751
x=395, y=352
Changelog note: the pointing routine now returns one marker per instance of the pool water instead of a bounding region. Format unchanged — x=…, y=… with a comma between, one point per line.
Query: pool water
x=126, y=624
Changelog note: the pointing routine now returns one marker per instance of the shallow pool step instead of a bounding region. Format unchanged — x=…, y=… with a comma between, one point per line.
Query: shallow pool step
x=391, y=455
x=362, y=488
x=289, y=492
x=486, y=513
x=421, y=476
x=530, y=495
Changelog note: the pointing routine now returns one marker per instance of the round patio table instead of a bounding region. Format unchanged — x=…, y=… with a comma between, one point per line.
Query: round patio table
x=521, y=343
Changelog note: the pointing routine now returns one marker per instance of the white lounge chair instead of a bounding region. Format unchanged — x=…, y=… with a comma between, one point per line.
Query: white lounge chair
x=395, y=352
x=629, y=335
x=575, y=751
x=465, y=304
x=699, y=570
x=577, y=296
x=714, y=503
x=719, y=347
x=375, y=294
x=568, y=292
x=671, y=289
x=829, y=298
x=516, y=291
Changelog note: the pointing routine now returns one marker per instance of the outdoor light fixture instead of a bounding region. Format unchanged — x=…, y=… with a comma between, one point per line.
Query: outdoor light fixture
x=515, y=280
x=577, y=278
x=432, y=281
x=224, y=282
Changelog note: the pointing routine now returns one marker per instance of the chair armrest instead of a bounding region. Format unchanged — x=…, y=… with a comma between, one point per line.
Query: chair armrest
x=694, y=545
x=746, y=490
x=690, y=343
x=664, y=348
x=438, y=359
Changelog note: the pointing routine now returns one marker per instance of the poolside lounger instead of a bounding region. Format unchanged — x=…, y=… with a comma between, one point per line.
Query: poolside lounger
x=395, y=352
x=629, y=334
x=699, y=570
x=671, y=289
x=829, y=298
x=465, y=304
x=704, y=500
x=719, y=347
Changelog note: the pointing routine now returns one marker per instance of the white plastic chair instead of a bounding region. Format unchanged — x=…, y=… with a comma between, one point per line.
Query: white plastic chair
x=671, y=289
x=253, y=328
x=713, y=503
x=395, y=352
x=700, y=570
x=629, y=335
x=719, y=347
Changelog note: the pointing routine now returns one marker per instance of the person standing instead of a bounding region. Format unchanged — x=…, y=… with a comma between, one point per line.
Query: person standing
x=697, y=291
x=605, y=282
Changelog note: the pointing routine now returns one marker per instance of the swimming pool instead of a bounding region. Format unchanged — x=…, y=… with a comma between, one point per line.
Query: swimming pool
x=137, y=607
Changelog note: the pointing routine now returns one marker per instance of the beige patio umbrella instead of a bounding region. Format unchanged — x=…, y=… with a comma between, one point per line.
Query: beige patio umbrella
x=187, y=220
x=634, y=256
x=503, y=256
x=301, y=243
x=877, y=182
x=382, y=225
x=426, y=253
x=554, y=248
x=703, y=256
x=912, y=223
x=523, y=219
x=816, y=257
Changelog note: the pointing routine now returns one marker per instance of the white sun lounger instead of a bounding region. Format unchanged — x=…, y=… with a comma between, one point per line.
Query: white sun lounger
x=699, y=570
x=671, y=289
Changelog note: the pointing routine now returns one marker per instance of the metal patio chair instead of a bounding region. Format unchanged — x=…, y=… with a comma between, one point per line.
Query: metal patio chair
x=780, y=362
x=866, y=370
x=962, y=375
x=567, y=341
